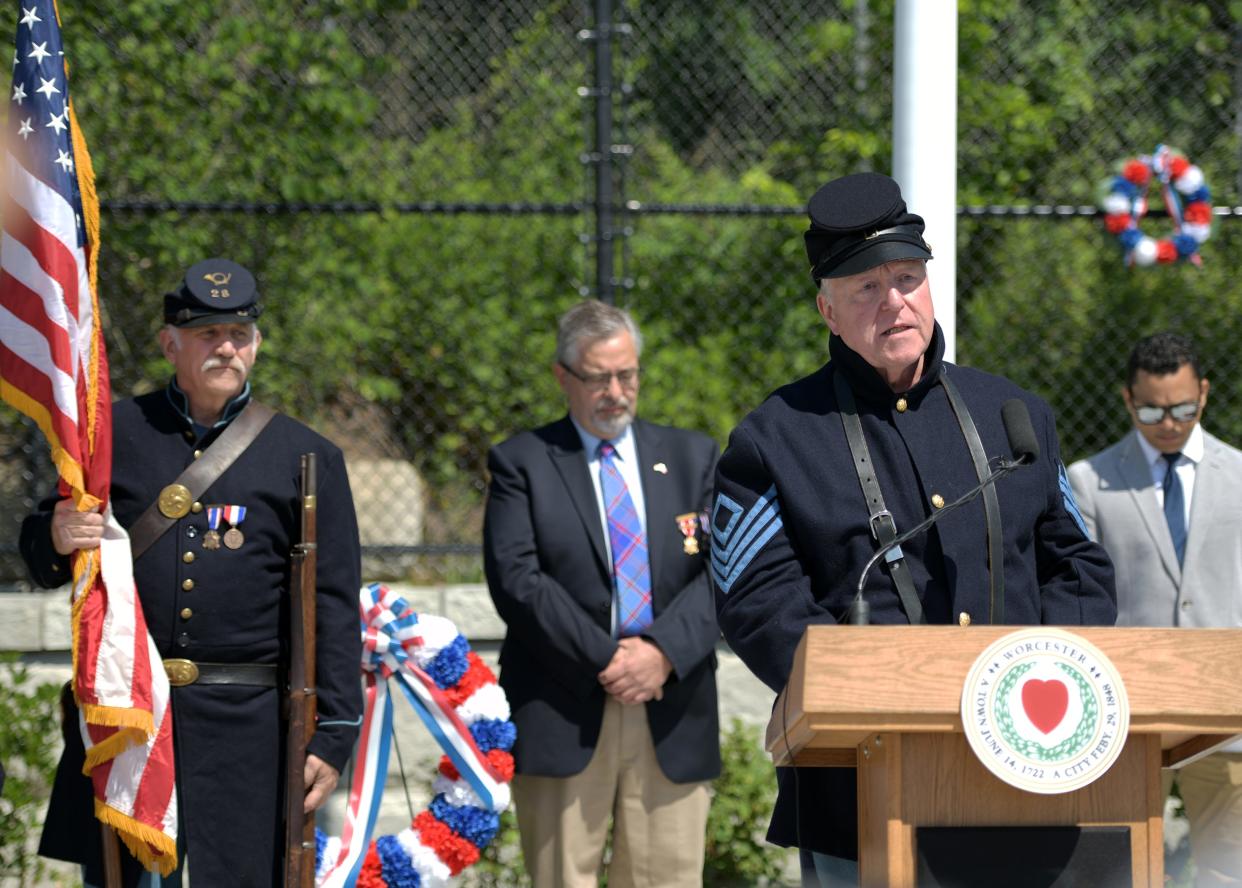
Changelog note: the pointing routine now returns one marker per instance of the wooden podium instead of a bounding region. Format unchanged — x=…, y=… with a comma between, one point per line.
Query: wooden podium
x=887, y=700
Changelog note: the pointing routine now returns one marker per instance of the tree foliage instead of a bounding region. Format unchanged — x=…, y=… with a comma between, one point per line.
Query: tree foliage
x=443, y=321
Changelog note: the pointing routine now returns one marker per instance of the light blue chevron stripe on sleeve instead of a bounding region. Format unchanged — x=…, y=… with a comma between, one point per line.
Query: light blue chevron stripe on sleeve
x=1067, y=496
x=744, y=535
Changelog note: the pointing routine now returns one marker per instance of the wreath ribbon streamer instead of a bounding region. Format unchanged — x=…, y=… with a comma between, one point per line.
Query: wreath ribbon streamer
x=456, y=697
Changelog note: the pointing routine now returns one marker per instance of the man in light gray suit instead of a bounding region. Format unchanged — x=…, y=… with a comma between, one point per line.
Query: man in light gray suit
x=1164, y=502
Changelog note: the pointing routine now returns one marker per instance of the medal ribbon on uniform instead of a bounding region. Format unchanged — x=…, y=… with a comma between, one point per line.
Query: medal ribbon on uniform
x=211, y=539
x=234, y=515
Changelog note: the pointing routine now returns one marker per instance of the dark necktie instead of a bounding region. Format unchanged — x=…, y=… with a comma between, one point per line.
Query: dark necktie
x=1175, y=505
x=631, y=570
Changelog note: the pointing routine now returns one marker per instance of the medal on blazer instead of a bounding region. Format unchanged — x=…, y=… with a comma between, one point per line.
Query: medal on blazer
x=211, y=539
x=688, y=524
x=234, y=515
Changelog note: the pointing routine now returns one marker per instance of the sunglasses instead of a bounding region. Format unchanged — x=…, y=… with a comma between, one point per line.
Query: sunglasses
x=1149, y=414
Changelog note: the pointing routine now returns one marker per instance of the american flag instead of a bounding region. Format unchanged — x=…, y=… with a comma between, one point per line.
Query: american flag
x=54, y=369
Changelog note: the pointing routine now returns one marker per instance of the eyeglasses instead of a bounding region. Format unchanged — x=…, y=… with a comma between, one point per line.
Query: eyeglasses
x=598, y=382
x=1149, y=414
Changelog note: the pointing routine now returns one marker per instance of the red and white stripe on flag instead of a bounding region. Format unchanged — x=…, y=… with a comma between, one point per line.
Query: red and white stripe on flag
x=54, y=369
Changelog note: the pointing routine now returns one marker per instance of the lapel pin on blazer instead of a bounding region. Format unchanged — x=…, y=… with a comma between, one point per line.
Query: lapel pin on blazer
x=661, y=468
x=688, y=524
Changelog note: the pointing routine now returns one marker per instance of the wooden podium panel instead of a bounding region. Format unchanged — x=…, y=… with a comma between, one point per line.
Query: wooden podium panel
x=894, y=799
x=886, y=699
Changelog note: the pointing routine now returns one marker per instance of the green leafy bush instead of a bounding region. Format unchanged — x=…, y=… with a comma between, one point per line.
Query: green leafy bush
x=28, y=733
x=500, y=865
x=742, y=801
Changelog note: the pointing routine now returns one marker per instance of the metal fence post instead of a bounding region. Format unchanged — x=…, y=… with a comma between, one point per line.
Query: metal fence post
x=603, y=151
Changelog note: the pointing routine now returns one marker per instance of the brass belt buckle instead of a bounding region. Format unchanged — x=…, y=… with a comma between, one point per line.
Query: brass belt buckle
x=180, y=672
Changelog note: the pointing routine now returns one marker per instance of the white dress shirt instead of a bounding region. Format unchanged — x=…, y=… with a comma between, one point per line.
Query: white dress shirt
x=1186, y=467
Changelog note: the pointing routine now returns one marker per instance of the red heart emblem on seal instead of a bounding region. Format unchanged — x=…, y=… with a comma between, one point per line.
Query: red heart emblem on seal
x=1045, y=702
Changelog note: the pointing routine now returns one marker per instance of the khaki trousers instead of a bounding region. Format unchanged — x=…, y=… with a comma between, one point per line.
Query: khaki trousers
x=1212, y=793
x=658, y=825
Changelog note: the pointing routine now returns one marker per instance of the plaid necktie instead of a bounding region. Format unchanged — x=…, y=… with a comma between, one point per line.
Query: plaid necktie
x=631, y=571
x=1175, y=505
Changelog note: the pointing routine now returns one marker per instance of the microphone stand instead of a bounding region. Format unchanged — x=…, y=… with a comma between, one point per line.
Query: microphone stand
x=860, y=610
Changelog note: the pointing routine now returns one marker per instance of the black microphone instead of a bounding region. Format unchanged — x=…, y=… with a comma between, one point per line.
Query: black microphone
x=1022, y=441
x=1025, y=449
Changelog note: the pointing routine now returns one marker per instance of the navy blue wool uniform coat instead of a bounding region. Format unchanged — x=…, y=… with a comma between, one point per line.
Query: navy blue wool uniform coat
x=790, y=536
x=551, y=580
x=229, y=606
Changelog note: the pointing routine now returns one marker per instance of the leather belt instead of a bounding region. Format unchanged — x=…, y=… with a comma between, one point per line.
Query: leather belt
x=187, y=672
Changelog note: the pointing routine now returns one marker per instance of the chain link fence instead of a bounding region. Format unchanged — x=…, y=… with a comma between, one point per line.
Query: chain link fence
x=414, y=186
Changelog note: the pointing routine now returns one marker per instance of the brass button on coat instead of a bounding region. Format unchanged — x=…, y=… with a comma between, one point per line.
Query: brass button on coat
x=937, y=501
x=174, y=501
x=902, y=405
x=963, y=619
x=197, y=454
x=196, y=508
x=187, y=585
x=186, y=613
x=187, y=557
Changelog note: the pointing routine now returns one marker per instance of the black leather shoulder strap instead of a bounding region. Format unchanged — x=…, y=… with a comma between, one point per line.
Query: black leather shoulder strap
x=880, y=520
x=991, y=505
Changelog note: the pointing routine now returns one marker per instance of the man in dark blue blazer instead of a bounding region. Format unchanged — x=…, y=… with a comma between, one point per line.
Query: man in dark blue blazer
x=883, y=436
x=594, y=549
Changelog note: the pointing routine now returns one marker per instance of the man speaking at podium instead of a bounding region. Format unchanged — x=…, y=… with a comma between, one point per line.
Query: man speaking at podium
x=834, y=465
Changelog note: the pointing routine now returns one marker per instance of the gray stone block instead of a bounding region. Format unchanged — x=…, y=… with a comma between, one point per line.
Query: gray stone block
x=470, y=607
x=21, y=621
x=57, y=620
x=388, y=499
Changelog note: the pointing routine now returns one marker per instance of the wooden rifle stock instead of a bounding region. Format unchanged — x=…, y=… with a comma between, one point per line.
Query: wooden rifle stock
x=111, y=857
x=300, y=827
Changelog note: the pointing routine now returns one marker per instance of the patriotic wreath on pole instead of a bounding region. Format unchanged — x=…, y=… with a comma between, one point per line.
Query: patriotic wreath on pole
x=1186, y=197
x=457, y=698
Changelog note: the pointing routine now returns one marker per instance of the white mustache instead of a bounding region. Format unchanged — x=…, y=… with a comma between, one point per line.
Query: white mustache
x=218, y=363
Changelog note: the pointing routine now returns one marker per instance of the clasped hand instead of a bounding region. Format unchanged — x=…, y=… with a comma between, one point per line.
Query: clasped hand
x=637, y=672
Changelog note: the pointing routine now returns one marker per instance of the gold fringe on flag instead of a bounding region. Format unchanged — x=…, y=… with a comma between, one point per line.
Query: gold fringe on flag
x=139, y=839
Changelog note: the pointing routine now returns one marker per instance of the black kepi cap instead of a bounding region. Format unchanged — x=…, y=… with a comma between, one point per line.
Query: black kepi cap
x=214, y=291
x=858, y=222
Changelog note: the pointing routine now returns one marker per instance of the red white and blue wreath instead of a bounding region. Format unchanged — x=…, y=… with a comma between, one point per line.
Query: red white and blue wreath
x=457, y=698
x=1186, y=197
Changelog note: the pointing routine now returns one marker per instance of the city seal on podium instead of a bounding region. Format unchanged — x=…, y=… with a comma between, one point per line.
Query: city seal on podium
x=1045, y=710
